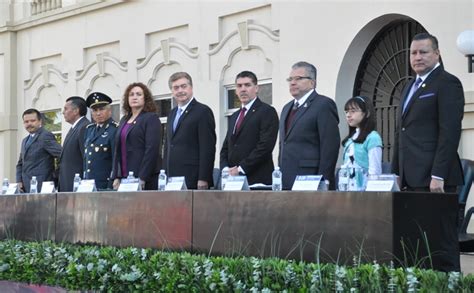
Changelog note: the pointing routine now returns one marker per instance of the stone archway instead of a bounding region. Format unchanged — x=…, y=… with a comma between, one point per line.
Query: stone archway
x=377, y=65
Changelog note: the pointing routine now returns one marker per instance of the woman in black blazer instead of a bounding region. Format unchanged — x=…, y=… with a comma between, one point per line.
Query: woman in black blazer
x=138, y=139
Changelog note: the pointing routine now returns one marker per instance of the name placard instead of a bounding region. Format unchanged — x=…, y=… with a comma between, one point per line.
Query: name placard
x=12, y=189
x=129, y=185
x=379, y=185
x=307, y=182
x=47, y=187
x=236, y=183
x=176, y=184
x=384, y=182
x=87, y=186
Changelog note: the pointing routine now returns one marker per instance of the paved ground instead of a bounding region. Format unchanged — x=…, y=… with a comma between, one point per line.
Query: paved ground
x=467, y=263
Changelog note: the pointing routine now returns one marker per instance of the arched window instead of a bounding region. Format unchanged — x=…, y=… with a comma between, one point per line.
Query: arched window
x=383, y=73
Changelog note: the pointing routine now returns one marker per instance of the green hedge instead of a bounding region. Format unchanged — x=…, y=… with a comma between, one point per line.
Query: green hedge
x=113, y=269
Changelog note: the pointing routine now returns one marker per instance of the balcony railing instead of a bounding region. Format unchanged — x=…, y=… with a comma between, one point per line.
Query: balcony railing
x=41, y=6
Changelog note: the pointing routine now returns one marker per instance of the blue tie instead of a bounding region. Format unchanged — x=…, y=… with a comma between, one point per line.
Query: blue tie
x=28, y=141
x=412, y=92
x=176, y=119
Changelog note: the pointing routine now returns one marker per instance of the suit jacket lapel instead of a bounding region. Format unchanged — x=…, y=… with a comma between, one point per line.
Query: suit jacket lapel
x=404, y=95
x=248, y=115
x=33, y=139
x=132, y=125
x=23, y=147
x=301, y=110
x=420, y=90
x=183, y=115
x=284, y=116
x=232, y=122
x=413, y=98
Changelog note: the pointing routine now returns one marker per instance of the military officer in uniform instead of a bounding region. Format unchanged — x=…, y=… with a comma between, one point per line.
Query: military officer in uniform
x=99, y=141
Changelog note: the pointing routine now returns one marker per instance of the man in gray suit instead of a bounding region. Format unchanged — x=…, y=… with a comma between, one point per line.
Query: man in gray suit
x=309, y=135
x=38, y=151
x=72, y=156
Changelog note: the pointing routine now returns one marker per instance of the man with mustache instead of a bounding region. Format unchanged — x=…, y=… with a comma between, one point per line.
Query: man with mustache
x=251, y=134
x=309, y=132
x=38, y=151
x=190, y=136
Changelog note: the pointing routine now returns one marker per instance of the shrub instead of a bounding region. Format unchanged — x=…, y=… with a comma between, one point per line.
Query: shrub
x=111, y=269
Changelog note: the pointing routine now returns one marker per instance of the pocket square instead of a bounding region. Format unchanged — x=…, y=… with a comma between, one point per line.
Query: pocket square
x=426, y=95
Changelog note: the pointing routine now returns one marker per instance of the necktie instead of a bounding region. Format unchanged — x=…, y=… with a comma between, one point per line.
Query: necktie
x=412, y=91
x=28, y=141
x=291, y=116
x=240, y=119
x=176, y=119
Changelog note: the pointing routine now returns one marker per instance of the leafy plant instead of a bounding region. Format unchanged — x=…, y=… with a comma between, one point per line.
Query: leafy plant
x=111, y=269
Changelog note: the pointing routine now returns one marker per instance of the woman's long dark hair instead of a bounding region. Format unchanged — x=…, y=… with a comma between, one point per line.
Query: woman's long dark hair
x=368, y=124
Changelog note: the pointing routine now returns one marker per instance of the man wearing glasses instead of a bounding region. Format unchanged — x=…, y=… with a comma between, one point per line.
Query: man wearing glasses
x=309, y=133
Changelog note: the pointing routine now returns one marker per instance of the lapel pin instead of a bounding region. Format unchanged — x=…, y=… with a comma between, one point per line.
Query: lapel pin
x=253, y=110
x=134, y=122
x=423, y=85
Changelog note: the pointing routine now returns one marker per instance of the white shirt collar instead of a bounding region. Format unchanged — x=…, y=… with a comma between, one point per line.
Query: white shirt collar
x=183, y=108
x=77, y=121
x=249, y=105
x=303, y=99
x=424, y=76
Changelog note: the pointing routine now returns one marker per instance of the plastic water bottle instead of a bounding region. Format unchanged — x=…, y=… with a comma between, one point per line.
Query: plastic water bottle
x=224, y=177
x=324, y=185
x=33, y=185
x=77, y=181
x=343, y=178
x=357, y=176
x=276, y=179
x=162, y=179
x=5, y=186
x=130, y=176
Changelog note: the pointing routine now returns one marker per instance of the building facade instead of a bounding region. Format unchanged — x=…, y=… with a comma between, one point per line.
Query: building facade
x=53, y=49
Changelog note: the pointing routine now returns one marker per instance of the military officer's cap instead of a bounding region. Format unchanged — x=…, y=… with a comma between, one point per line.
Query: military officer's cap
x=98, y=99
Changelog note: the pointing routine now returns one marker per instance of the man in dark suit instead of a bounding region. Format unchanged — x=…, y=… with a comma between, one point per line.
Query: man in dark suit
x=38, y=151
x=251, y=134
x=99, y=141
x=72, y=156
x=309, y=133
x=190, y=136
x=429, y=129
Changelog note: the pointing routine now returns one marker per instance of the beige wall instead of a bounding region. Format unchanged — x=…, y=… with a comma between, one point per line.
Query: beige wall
x=105, y=45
